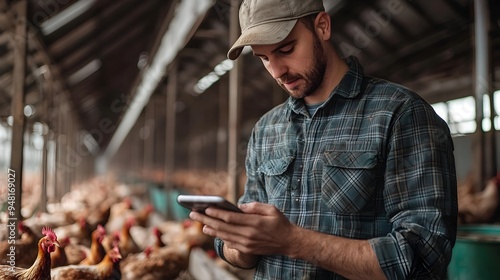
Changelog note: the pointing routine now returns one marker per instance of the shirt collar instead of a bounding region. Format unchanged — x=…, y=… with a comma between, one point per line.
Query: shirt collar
x=349, y=86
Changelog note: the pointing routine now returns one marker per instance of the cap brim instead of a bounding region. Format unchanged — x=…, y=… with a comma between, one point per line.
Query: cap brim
x=263, y=34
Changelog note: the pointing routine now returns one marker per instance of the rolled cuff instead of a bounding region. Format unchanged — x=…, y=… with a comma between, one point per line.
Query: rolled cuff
x=219, y=248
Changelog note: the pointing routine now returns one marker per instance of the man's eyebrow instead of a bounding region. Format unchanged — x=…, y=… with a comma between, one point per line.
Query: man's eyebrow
x=285, y=44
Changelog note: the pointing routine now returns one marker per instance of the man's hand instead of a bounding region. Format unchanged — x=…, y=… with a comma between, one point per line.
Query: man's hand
x=261, y=230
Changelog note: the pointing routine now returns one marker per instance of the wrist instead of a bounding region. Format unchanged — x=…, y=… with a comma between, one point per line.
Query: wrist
x=243, y=260
x=235, y=257
x=295, y=242
x=219, y=248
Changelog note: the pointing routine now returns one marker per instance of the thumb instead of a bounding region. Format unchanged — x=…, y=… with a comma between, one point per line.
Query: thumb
x=257, y=208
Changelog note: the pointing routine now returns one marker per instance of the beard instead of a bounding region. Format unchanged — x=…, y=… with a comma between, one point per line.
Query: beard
x=312, y=78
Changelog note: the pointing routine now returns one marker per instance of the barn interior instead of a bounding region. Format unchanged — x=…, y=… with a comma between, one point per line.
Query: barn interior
x=141, y=93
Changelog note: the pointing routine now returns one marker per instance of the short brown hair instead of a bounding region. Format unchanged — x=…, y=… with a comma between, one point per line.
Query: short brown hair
x=308, y=21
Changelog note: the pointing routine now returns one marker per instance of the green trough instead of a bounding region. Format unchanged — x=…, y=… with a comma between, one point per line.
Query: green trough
x=476, y=255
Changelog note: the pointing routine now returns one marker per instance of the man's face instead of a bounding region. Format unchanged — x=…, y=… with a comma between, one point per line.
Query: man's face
x=297, y=63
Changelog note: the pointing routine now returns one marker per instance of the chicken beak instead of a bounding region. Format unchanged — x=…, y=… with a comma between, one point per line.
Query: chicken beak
x=57, y=243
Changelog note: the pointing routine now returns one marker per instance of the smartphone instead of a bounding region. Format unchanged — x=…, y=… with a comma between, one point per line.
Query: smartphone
x=199, y=203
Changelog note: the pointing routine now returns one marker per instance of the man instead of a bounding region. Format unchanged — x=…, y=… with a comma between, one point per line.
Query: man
x=352, y=177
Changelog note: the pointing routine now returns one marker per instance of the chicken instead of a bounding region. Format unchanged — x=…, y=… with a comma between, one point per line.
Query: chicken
x=147, y=237
x=84, y=196
x=40, y=269
x=111, y=240
x=132, y=261
x=127, y=243
x=108, y=268
x=26, y=249
x=158, y=242
x=75, y=253
x=28, y=234
x=97, y=214
x=479, y=207
x=97, y=251
x=100, y=216
x=187, y=231
x=78, y=232
x=52, y=220
x=193, y=234
x=118, y=214
x=4, y=218
x=165, y=263
x=142, y=216
x=59, y=258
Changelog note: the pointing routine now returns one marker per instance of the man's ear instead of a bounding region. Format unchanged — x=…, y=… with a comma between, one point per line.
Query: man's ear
x=322, y=25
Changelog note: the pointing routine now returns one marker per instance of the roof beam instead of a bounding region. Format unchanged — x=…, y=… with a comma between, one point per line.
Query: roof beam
x=92, y=31
x=187, y=15
x=458, y=8
x=420, y=11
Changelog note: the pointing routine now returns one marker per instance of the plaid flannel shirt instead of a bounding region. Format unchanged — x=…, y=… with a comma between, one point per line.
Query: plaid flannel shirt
x=374, y=162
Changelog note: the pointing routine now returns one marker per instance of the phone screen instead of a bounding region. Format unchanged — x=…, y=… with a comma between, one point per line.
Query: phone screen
x=199, y=203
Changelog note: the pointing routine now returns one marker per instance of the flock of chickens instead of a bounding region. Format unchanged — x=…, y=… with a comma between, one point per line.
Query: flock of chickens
x=101, y=232
x=475, y=207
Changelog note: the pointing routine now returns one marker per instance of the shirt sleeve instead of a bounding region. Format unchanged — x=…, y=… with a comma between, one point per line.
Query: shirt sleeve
x=420, y=197
x=219, y=248
x=254, y=189
x=254, y=185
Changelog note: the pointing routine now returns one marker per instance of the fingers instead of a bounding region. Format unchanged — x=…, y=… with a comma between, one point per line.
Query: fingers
x=203, y=218
x=259, y=209
x=219, y=228
x=218, y=221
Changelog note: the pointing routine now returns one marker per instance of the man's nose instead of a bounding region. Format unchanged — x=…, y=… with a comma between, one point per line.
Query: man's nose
x=277, y=69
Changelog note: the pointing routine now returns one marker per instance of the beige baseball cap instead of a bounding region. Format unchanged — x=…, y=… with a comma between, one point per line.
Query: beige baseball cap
x=266, y=22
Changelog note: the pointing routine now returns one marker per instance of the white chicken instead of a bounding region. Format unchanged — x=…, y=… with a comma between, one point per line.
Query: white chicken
x=478, y=207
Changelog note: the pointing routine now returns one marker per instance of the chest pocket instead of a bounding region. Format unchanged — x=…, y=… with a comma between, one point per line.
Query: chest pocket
x=348, y=180
x=276, y=179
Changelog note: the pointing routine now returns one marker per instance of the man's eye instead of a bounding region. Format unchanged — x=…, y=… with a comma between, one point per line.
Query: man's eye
x=286, y=50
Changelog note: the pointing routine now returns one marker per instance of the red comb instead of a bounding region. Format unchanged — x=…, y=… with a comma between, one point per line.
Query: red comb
x=101, y=229
x=66, y=240
x=187, y=223
x=156, y=231
x=148, y=251
x=82, y=222
x=128, y=201
x=49, y=233
x=130, y=222
x=116, y=235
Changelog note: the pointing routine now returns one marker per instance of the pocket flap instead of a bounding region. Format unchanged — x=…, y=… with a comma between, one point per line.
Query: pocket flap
x=275, y=167
x=351, y=159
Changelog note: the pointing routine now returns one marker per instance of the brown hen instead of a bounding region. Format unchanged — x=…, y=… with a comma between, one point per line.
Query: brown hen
x=478, y=207
x=108, y=268
x=26, y=248
x=40, y=269
x=97, y=251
